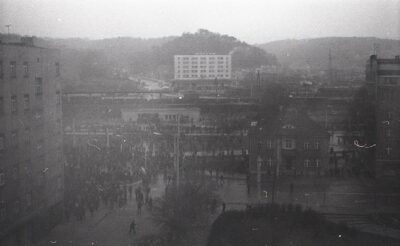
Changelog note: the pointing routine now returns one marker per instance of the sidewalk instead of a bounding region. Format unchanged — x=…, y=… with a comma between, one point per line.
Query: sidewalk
x=107, y=227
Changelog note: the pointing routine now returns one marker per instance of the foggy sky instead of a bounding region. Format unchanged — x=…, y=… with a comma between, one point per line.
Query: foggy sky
x=253, y=21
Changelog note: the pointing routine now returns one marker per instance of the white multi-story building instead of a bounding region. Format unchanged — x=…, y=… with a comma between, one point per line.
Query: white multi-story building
x=202, y=67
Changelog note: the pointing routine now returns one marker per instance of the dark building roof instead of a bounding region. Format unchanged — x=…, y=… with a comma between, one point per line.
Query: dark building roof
x=292, y=122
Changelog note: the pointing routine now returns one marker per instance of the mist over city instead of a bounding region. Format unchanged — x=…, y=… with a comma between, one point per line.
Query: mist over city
x=174, y=123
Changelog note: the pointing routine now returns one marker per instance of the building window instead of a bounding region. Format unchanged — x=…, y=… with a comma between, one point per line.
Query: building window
x=26, y=70
x=269, y=162
x=288, y=143
x=317, y=163
x=14, y=104
x=269, y=144
x=306, y=163
x=1, y=106
x=3, y=212
x=2, y=178
x=388, y=132
x=27, y=103
x=58, y=69
x=27, y=135
x=389, y=116
x=2, y=141
x=14, y=139
x=59, y=183
x=1, y=69
x=317, y=145
x=13, y=69
x=306, y=145
x=15, y=172
x=388, y=150
x=17, y=207
x=38, y=86
x=38, y=114
x=58, y=97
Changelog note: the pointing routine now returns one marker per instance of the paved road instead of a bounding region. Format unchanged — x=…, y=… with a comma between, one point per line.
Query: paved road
x=107, y=227
x=110, y=227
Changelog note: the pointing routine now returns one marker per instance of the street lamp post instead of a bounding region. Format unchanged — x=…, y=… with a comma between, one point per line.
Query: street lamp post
x=176, y=139
x=177, y=152
x=259, y=163
x=278, y=162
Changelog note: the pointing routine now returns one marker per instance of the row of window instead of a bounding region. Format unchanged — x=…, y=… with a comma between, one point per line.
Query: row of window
x=203, y=71
x=13, y=141
x=306, y=162
x=25, y=67
x=26, y=101
x=202, y=76
x=389, y=115
x=290, y=144
x=184, y=118
x=202, y=62
x=203, y=67
x=203, y=58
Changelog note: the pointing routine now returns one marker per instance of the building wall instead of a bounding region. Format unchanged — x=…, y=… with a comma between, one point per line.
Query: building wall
x=31, y=160
x=188, y=115
x=287, y=153
x=202, y=66
x=383, y=78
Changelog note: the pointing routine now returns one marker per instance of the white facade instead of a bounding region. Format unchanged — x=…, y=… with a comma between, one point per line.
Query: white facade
x=202, y=66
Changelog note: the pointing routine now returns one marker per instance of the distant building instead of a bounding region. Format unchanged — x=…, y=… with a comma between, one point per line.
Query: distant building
x=202, y=66
x=208, y=73
x=329, y=108
x=31, y=156
x=293, y=145
x=383, y=80
x=145, y=116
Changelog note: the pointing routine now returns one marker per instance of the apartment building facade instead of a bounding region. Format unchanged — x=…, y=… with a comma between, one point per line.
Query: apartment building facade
x=383, y=80
x=31, y=158
x=290, y=145
x=202, y=72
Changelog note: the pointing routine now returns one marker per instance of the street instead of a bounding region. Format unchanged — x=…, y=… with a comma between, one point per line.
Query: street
x=111, y=227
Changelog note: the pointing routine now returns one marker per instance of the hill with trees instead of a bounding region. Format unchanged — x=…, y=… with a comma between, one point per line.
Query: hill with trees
x=86, y=61
x=348, y=53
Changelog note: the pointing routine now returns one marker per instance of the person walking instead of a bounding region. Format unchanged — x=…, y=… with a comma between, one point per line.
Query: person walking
x=150, y=203
x=132, y=226
x=139, y=207
x=130, y=191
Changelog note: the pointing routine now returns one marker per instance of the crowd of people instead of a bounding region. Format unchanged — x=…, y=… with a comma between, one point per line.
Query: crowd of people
x=96, y=176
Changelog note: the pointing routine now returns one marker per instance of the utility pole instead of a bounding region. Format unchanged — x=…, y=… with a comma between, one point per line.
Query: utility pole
x=8, y=28
x=145, y=159
x=259, y=163
x=216, y=87
x=177, y=151
x=251, y=86
x=73, y=133
x=376, y=49
x=107, y=139
x=278, y=162
x=330, y=66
